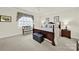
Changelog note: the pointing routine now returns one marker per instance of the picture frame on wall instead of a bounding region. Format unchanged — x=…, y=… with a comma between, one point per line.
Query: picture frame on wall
x=4, y=18
x=56, y=18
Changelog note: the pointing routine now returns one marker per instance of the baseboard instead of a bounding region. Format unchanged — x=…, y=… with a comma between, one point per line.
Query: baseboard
x=7, y=36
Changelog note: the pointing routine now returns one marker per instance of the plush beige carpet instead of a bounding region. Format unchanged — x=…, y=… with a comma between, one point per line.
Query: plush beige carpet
x=26, y=43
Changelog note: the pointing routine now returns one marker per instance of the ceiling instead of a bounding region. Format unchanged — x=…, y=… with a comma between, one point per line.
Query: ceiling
x=45, y=10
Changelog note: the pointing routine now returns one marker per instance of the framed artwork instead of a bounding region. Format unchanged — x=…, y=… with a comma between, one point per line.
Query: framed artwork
x=5, y=18
x=56, y=18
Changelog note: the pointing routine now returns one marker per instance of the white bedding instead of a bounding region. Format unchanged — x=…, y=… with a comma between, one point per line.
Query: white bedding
x=47, y=29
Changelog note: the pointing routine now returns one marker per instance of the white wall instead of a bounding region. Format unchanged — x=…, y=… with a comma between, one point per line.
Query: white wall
x=37, y=21
x=71, y=16
x=10, y=28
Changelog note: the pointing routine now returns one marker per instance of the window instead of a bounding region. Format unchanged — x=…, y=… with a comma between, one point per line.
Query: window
x=25, y=21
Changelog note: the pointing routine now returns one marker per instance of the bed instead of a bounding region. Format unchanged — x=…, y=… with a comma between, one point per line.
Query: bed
x=47, y=33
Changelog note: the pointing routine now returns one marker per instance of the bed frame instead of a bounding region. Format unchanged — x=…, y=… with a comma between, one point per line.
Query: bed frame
x=47, y=34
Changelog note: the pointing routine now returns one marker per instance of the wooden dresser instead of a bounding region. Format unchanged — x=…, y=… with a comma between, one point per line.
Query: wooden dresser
x=66, y=33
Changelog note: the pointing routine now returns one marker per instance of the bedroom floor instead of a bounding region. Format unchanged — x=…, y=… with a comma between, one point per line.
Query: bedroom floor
x=26, y=43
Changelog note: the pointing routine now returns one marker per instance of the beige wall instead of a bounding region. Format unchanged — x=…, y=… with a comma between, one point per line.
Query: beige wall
x=37, y=21
x=10, y=28
x=71, y=16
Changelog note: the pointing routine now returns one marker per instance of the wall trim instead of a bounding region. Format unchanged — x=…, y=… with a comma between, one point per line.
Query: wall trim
x=10, y=35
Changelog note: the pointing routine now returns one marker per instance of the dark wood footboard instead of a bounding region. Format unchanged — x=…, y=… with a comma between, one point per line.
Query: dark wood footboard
x=48, y=35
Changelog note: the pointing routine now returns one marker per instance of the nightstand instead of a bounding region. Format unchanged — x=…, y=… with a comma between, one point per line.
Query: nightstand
x=66, y=33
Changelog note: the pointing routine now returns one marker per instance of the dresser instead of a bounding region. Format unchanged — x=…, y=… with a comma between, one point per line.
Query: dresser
x=66, y=33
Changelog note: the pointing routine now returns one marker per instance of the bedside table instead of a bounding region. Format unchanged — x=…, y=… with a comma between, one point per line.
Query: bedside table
x=66, y=33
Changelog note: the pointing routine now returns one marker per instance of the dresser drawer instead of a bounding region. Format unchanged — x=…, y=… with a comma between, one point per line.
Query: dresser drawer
x=66, y=33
